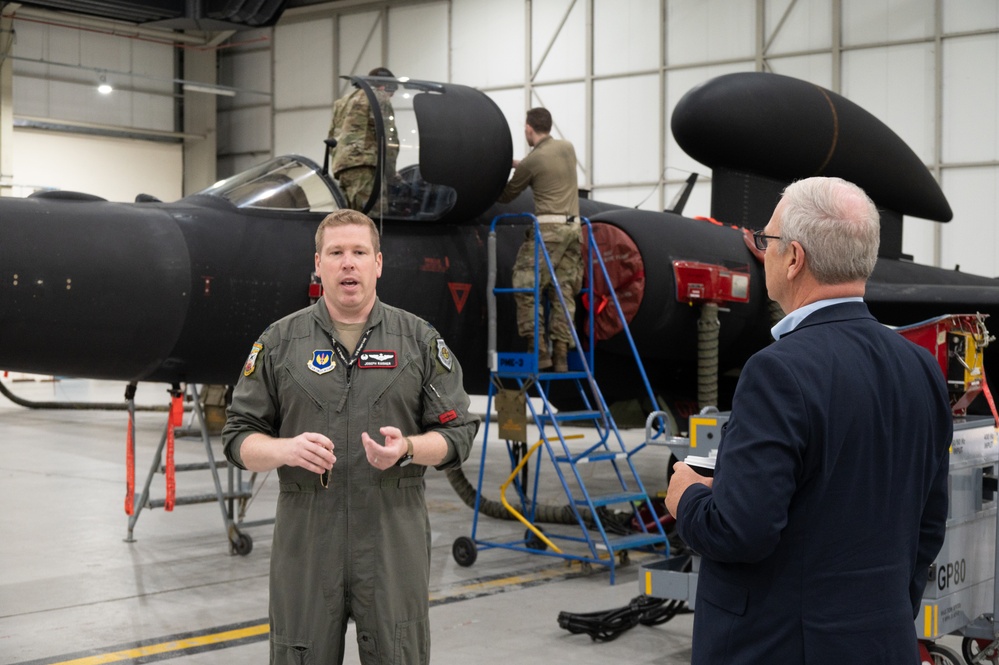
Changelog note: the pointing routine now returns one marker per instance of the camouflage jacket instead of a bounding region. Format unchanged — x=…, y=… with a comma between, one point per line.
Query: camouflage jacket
x=353, y=127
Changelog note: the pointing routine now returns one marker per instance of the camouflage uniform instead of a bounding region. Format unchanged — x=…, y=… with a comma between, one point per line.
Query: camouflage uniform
x=550, y=170
x=562, y=241
x=355, y=156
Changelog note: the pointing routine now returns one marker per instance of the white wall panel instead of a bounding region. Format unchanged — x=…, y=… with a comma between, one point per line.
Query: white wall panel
x=970, y=15
x=919, y=239
x=628, y=136
x=248, y=70
x=644, y=198
x=896, y=84
x=567, y=57
x=511, y=103
x=815, y=69
x=417, y=43
x=303, y=54
x=246, y=130
x=707, y=30
x=63, y=86
x=808, y=25
x=302, y=133
x=971, y=99
x=873, y=21
x=625, y=36
x=116, y=169
x=487, y=42
x=360, y=46
x=971, y=239
x=567, y=103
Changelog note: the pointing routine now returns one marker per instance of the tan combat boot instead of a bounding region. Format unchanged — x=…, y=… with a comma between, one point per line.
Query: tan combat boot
x=560, y=356
x=544, y=360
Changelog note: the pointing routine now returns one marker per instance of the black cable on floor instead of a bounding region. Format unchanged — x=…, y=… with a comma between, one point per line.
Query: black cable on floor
x=609, y=624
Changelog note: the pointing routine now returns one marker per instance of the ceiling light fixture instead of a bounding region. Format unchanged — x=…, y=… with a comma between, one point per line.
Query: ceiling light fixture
x=103, y=86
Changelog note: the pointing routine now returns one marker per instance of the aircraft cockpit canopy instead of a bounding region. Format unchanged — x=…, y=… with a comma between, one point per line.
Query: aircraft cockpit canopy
x=285, y=183
x=444, y=150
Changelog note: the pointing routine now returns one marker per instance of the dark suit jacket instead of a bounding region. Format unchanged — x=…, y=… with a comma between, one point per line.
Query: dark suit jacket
x=829, y=499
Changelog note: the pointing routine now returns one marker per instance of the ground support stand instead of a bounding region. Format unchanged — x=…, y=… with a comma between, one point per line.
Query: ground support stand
x=236, y=491
x=599, y=540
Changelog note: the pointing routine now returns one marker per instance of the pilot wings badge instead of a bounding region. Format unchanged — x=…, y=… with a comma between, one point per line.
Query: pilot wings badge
x=322, y=361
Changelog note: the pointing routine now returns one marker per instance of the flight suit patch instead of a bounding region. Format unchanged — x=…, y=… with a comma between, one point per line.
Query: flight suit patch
x=444, y=355
x=377, y=360
x=251, y=361
x=322, y=361
x=447, y=416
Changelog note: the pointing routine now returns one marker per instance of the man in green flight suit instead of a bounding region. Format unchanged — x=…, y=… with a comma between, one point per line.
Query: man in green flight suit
x=350, y=400
x=355, y=157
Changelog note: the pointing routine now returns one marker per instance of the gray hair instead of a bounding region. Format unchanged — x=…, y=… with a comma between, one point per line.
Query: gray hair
x=837, y=224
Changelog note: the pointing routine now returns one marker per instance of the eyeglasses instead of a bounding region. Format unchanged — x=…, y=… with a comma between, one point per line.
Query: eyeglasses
x=761, y=239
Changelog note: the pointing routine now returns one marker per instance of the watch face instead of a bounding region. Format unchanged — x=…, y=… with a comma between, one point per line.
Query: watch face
x=405, y=460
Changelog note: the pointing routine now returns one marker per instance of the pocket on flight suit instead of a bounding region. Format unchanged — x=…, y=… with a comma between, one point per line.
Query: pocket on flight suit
x=286, y=651
x=412, y=642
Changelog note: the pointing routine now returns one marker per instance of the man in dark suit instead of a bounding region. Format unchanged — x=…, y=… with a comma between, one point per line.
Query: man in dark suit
x=829, y=496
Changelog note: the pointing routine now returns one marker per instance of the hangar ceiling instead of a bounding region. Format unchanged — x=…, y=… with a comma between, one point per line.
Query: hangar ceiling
x=180, y=14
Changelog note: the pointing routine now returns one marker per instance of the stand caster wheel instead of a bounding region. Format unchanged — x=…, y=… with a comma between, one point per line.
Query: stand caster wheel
x=464, y=551
x=243, y=544
x=534, y=543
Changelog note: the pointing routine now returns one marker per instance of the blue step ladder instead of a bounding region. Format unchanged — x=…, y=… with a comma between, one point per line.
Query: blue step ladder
x=601, y=539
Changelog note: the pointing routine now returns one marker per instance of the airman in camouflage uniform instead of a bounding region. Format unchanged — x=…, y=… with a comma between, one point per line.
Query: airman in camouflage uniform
x=355, y=156
x=550, y=171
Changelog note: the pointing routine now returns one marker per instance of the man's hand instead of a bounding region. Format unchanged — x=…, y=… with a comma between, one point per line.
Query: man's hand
x=311, y=451
x=683, y=477
x=384, y=456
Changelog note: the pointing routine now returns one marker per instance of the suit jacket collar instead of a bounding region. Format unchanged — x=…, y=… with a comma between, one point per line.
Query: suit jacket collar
x=847, y=311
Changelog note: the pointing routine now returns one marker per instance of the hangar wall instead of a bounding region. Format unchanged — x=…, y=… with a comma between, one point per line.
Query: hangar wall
x=610, y=70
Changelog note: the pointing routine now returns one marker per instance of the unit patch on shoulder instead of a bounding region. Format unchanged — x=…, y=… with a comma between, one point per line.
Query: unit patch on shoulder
x=251, y=361
x=322, y=361
x=377, y=360
x=444, y=354
x=447, y=416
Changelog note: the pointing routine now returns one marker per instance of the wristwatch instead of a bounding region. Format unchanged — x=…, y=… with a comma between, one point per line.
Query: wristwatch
x=408, y=457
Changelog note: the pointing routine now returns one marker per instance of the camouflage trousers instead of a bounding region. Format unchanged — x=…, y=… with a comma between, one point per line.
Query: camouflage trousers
x=563, y=244
x=356, y=184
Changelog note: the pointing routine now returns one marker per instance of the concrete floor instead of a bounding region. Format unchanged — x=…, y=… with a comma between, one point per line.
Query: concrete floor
x=72, y=591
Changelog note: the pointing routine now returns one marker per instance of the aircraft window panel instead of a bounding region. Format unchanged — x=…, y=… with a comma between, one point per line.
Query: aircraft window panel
x=285, y=183
x=625, y=39
x=404, y=193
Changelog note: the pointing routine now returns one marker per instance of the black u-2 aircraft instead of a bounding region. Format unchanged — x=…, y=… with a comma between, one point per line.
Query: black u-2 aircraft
x=177, y=292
